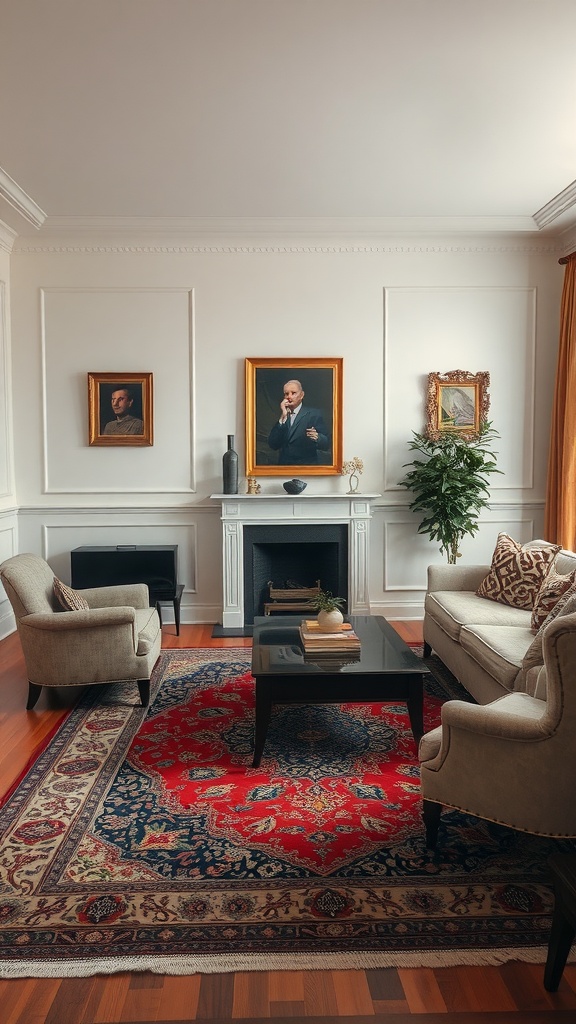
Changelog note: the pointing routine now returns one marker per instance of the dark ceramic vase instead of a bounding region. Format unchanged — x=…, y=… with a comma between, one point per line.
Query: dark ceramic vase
x=230, y=468
x=294, y=486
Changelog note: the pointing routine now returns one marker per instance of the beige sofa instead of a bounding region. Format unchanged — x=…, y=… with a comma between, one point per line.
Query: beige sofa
x=482, y=642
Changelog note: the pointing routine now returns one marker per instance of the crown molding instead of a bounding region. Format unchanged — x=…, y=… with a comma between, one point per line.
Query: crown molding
x=454, y=246
x=559, y=211
x=11, y=192
x=568, y=241
x=231, y=228
x=7, y=237
x=192, y=236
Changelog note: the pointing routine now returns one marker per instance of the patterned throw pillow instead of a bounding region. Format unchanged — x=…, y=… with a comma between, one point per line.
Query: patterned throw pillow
x=517, y=571
x=70, y=599
x=565, y=606
x=553, y=588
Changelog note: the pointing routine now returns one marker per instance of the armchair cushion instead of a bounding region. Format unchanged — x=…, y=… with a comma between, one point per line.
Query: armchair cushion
x=70, y=599
x=147, y=625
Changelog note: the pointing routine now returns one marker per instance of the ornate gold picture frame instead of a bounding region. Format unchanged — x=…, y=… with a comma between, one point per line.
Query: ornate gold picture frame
x=307, y=444
x=120, y=409
x=457, y=402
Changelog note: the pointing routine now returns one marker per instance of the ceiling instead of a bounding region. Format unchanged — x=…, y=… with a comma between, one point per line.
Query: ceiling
x=393, y=112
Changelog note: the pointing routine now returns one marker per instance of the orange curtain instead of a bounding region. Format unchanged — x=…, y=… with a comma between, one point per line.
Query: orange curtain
x=560, y=512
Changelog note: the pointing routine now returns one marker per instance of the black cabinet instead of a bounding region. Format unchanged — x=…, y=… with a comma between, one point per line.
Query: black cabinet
x=155, y=565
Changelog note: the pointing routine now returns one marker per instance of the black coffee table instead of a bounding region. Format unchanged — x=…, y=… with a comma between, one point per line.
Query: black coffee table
x=387, y=670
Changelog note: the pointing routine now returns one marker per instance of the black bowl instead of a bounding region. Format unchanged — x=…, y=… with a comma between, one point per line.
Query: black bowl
x=294, y=486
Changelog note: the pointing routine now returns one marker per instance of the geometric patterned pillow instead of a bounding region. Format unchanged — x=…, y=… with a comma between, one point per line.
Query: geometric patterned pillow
x=517, y=571
x=70, y=599
x=553, y=588
x=566, y=605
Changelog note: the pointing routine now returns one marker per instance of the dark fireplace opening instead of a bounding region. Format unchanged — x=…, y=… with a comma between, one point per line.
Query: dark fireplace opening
x=293, y=557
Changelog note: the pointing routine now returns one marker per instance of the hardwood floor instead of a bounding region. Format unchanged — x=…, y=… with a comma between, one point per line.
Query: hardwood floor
x=508, y=994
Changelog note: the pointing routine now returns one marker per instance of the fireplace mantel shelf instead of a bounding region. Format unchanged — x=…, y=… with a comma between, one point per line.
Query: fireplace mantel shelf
x=294, y=497
x=239, y=511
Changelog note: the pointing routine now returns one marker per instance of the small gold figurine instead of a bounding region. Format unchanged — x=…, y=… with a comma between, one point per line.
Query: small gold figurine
x=253, y=486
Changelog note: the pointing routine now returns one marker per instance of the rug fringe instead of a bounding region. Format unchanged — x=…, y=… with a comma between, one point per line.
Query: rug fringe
x=208, y=964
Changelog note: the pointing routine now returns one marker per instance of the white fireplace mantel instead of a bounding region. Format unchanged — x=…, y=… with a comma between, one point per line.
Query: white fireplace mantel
x=239, y=510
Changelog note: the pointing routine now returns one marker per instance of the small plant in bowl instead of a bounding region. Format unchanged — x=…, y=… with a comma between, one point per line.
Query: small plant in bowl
x=330, y=618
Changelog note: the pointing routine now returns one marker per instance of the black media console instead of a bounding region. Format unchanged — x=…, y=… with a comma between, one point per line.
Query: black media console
x=155, y=565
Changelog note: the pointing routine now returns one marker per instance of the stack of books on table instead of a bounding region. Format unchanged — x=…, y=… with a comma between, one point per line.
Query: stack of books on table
x=341, y=643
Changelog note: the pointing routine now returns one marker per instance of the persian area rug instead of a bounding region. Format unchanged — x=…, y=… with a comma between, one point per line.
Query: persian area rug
x=142, y=839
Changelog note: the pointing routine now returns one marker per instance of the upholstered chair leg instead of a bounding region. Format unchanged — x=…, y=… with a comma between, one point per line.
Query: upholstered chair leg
x=144, y=690
x=431, y=814
x=427, y=650
x=34, y=692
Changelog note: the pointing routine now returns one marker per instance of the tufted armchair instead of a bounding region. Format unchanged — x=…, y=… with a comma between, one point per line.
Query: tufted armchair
x=511, y=761
x=117, y=638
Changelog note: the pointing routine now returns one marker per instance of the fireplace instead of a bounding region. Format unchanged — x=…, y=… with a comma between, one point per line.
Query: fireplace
x=293, y=555
x=302, y=524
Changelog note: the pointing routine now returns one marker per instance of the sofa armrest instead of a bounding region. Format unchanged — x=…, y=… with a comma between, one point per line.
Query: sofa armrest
x=455, y=577
x=134, y=594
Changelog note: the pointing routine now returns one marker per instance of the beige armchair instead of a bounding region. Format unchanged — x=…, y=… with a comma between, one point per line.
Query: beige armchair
x=117, y=638
x=511, y=761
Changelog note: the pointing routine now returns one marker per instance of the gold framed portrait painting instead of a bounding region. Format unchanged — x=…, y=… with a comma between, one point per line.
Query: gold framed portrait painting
x=293, y=417
x=120, y=409
x=457, y=402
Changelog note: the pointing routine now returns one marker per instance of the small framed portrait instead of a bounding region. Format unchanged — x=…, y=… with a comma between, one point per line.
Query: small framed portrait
x=293, y=417
x=457, y=401
x=120, y=409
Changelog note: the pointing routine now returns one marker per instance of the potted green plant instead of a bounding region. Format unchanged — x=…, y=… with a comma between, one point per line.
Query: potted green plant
x=450, y=484
x=330, y=618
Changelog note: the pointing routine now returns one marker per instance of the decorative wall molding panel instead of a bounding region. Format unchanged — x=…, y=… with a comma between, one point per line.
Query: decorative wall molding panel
x=498, y=324
x=408, y=553
x=109, y=319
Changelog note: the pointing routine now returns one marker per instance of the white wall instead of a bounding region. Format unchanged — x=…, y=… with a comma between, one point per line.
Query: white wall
x=8, y=510
x=192, y=312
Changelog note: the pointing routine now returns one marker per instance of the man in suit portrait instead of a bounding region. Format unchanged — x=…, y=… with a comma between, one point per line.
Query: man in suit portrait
x=300, y=432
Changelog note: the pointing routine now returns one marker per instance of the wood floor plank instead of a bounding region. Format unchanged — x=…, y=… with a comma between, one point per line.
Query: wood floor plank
x=40, y=1002
x=27, y=1000
x=141, y=1002
x=69, y=1001
x=179, y=998
x=319, y=994
x=353, y=997
x=13, y=996
x=384, y=984
x=527, y=989
x=284, y=1010
x=111, y=994
x=286, y=986
x=421, y=990
x=476, y=988
x=215, y=997
x=251, y=995
x=387, y=1007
